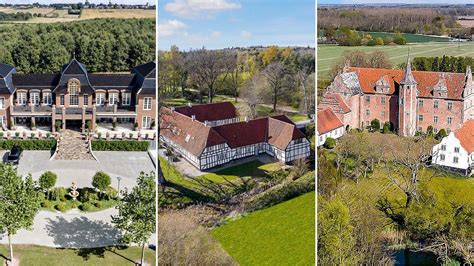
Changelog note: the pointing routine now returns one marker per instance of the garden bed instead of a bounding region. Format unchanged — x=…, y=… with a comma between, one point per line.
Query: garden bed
x=119, y=145
x=28, y=144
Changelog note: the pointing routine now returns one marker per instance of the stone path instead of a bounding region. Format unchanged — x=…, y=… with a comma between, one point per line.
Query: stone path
x=72, y=146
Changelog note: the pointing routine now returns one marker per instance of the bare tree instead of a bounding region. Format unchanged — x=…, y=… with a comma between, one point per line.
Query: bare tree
x=251, y=94
x=276, y=77
x=207, y=66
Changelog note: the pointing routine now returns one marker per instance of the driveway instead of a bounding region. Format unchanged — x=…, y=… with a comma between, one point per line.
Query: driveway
x=71, y=230
x=126, y=165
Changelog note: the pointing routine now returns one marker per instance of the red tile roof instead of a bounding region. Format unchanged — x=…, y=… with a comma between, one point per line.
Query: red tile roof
x=209, y=112
x=426, y=80
x=278, y=131
x=327, y=121
x=465, y=135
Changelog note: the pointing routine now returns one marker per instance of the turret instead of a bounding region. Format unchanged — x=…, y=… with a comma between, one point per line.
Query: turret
x=408, y=102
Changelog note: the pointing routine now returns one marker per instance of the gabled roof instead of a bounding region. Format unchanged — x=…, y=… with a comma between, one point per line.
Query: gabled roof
x=327, y=121
x=35, y=80
x=74, y=67
x=147, y=70
x=426, y=80
x=209, y=112
x=465, y=135
x=5, y=70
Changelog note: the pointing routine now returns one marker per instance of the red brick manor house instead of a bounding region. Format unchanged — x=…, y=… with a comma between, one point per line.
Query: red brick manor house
x=410, y=100
x=74, y=98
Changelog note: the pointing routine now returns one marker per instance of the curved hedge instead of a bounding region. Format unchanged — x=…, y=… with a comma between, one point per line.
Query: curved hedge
x=119, y=145
x=28, y=144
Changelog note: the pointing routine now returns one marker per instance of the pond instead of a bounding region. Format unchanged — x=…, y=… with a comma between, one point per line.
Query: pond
x=408, y=257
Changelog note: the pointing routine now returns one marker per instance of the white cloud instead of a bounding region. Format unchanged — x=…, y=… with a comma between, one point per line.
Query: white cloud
x=216, y=34
x=245, y=34
x=130, y=2
x=199, y=8
x=170, y=27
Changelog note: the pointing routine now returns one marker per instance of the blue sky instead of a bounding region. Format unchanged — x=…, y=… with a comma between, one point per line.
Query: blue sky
x=394, y=1
x=214, y=24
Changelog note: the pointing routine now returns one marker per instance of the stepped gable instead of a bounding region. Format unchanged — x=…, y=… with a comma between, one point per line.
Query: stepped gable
x=426, y=81
x=465, y=135
x=334, y=101
x=327, y=121
x=209, y=112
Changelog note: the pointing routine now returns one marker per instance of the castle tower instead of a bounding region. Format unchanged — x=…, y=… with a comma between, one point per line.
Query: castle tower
x=407, y=102
x=468, y=96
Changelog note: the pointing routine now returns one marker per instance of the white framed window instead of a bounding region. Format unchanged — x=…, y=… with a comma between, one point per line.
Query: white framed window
x=21, y=98
x=85, y=99
x=455, y=159
x=74, y=88
x=435, y=119
x=382, y=100
x=113, y=98
x=34, y=98
x=443, y=147
x=126, y=98
x=3, y=121
x=450, y=105
x=420, y=103
x=435, y=104
x=367, y=98
x=61, y=100
x=100, y=98
x=2, y=102
x=147, y=101
x=450, y=120
x=146, y=122
x=420, y=118
x=442, y=157
x=47, y=98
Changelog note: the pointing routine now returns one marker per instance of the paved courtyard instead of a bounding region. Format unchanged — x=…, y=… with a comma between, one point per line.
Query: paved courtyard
x=126, y=165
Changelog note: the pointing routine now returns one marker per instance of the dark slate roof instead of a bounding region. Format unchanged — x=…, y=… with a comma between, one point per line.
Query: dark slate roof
x=6, y=84
x=5, y=70
x=35, y=80
x=112, y=80
x=147, y=70
x=74, y=67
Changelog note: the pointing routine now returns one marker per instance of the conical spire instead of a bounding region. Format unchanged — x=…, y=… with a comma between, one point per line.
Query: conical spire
x=408, y=78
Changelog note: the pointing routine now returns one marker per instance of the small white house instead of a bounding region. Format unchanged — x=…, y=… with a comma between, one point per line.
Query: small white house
x=456, y=151
x=329, y=125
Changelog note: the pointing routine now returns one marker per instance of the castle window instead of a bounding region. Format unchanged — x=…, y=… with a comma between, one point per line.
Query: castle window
x=450, y=105
x=382, y=100
x=420, y=103
x=420, y=118
x=435, y=119
x=435, y=104
x=367, y=112
x=450, y=120
x=383, y=114
x=73, y=87
x=367, y=98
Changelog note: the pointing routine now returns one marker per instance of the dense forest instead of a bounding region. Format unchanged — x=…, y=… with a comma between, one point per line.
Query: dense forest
x=103, y=45
x=433, y=21
x=272, y=75
x=442, y=64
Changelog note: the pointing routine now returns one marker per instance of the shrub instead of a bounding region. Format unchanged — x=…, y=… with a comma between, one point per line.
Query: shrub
x=135, y=125
x=386, y=128
x=28, y=144
x=101, y=181
x=87, y=207
x=17, y=134
x=152, y=125
x=99, y=135
x=111, y=193
x=58, y=124
x=1, y=135
x=310, y=129
x=98, y=204
x=330, y=143
x=59, y=193
x=46, y=204
x=62, y=207
x=375, y=124
x=48, y=135
x=130, y=135
x=47, y=181
x=120, y=145
x=441, y=134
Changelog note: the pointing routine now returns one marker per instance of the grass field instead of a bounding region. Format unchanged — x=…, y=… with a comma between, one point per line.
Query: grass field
x=279, y=235
x=51, y=15
x=38, y=255
x=329, y=54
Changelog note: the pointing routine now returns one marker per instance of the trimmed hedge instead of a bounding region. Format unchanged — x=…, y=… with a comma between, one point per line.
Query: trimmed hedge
x=28, y=144
x=119, y=145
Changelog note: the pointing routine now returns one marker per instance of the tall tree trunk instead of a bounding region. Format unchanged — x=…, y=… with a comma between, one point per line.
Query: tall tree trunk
x=209, y=96
x=11, y=247
x=274, y=99
x=143, y=254
x=304, y=98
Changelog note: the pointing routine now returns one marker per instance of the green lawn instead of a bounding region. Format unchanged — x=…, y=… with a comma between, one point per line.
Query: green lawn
x=39, y=255
x=328, y=54
x=280, y=235
x=253, y=168
x=411, y=38
x=298, y=117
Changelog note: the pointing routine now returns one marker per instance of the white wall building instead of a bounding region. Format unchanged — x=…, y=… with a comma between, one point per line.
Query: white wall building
x=456, y=151
x=329, y=126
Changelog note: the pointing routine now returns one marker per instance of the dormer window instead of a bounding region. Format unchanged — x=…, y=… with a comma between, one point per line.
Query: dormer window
x=441, y=89
x=382, y=86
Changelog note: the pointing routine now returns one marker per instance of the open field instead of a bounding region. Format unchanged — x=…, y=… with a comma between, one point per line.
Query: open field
x=329, y=54
x=50, y=15
x=280, y=235
x=38, y=255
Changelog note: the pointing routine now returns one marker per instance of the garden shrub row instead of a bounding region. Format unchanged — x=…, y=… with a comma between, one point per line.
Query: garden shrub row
x=281, y=193
x=119, y=145
x=28, y=144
